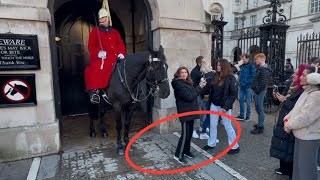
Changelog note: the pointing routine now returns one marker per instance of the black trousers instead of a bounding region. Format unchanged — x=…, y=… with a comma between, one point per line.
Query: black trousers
x=286, y=167
x=185, y=139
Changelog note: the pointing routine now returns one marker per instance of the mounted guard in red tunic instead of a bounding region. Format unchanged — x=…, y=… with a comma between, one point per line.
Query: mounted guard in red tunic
x=106, y=47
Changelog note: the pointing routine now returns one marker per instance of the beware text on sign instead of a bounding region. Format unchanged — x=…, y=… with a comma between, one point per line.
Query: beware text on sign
x=17, y=90
x=19, y=52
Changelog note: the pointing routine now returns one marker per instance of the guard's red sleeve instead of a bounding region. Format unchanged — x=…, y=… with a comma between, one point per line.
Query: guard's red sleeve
x=93, y=44
x=120, y=44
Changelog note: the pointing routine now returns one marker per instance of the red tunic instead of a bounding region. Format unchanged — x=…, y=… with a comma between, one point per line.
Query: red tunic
x=96, y=78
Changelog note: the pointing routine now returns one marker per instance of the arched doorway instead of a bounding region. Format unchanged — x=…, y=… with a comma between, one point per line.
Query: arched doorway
x=237, y=52
x=73, y=22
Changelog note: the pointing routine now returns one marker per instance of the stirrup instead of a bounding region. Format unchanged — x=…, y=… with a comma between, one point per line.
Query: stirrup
x=95, y=99
x=105, y=97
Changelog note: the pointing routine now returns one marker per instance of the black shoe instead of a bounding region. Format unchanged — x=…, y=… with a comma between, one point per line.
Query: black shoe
x=234, y=151
x=280, y=172
x=206, y=148
x=256, y=126
x=189, y=155
x=94, y=97
x=240, y=118
x=257, y=130
x=247, y=119
x=180, y=160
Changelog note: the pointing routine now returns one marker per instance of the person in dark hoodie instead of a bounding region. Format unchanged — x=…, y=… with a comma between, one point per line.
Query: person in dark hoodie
x=196, y=75
x=223, y=91
x=259, y=87
x=282, y=143
x=186, y=100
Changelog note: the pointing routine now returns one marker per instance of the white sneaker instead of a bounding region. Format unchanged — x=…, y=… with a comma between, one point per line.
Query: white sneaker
x=207, y=130
x=195, y=135
x=204, y=136
x=217, y=140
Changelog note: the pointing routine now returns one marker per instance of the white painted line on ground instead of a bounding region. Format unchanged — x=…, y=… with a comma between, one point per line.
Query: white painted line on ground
x=33, y=172
x=217, y=162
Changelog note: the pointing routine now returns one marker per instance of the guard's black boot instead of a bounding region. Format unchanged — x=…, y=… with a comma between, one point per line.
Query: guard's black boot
x=94, y=96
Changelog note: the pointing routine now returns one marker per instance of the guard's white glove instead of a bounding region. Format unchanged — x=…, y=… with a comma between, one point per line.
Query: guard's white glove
x=120, y=56
x=102, y=54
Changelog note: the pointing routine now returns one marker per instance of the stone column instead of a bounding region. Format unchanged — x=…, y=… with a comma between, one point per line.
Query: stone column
x=29, y=131
x=177, y=29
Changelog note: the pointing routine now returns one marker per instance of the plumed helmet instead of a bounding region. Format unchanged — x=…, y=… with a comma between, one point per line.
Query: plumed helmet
x=105, y=11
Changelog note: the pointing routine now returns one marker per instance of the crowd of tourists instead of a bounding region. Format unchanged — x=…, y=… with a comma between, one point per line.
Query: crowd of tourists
x=296, y=138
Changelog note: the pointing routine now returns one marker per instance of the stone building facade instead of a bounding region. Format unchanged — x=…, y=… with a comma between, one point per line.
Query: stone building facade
x=302, y=17
x=182, y=27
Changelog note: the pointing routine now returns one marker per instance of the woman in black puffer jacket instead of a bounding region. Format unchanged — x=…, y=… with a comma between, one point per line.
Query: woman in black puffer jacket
x=186, y=100
x=282, y=143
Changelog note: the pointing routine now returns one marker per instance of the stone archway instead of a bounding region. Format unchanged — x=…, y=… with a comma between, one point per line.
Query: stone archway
x=74, y=20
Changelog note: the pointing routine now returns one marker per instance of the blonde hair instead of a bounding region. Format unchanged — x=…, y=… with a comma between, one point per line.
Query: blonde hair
x=260, y=55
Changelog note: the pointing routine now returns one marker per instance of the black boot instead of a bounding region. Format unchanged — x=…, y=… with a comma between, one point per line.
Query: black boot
x=257, y=130
x=94, y=96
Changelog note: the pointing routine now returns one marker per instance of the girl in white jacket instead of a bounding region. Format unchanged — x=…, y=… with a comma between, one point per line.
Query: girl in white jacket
x=304, y=122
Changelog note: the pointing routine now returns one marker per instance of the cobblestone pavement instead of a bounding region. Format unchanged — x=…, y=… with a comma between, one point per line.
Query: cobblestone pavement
x=83, y=157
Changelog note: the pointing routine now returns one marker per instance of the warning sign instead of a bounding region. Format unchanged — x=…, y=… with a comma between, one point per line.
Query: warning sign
x=17, y=90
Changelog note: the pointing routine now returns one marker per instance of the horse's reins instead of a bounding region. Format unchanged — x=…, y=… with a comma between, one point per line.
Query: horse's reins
x=135, y=97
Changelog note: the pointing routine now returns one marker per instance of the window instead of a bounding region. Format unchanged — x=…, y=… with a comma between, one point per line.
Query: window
x=314, y=6
x=253, y=20
x=236, y=23
x=237, y=1
x=255, y=3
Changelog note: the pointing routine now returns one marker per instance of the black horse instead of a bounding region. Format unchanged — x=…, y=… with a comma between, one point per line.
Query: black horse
x=124, y=88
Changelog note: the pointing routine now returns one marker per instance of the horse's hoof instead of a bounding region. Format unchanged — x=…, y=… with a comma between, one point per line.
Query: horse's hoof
x=104, y=135
x=121, y=152
x=93, y=134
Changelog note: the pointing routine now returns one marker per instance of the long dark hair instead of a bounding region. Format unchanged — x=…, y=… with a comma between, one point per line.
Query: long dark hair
x=177, y=75
x=225, y=71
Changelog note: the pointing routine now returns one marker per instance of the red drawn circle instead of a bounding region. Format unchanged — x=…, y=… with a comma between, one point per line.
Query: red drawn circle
x=175, y=171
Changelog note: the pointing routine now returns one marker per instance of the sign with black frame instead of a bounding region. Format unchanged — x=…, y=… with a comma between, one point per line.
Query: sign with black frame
x=17, y=90
x=19, y=52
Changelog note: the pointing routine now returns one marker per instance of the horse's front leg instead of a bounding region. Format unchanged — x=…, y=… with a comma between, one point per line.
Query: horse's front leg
x=92, y=116
x=103, y=126
x=129, y=112
x=117, y=118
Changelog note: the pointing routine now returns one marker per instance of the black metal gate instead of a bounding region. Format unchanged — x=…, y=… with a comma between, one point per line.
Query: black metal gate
x=308, y=46
x=249, y=42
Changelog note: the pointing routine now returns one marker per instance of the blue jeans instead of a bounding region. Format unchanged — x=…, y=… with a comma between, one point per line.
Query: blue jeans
x=206, y=121
x=245, y=93
x=258, y=101
x=202, y=106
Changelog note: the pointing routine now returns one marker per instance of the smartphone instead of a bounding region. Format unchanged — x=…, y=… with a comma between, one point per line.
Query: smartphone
x=275, y=88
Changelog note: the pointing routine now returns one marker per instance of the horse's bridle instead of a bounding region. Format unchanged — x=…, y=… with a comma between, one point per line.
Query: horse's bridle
x=154, y=86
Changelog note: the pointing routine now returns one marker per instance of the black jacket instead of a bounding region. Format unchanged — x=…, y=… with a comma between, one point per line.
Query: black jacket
x=261, y=79
x=282, y=144
x=229, y=95
x=186, y=98
x=196, y=75
x=287, y=74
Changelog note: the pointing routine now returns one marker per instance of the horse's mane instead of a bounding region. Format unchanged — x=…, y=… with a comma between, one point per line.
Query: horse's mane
x=138, y=58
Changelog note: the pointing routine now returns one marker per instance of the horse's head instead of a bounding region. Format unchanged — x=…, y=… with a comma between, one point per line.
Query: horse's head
x=157, y=73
